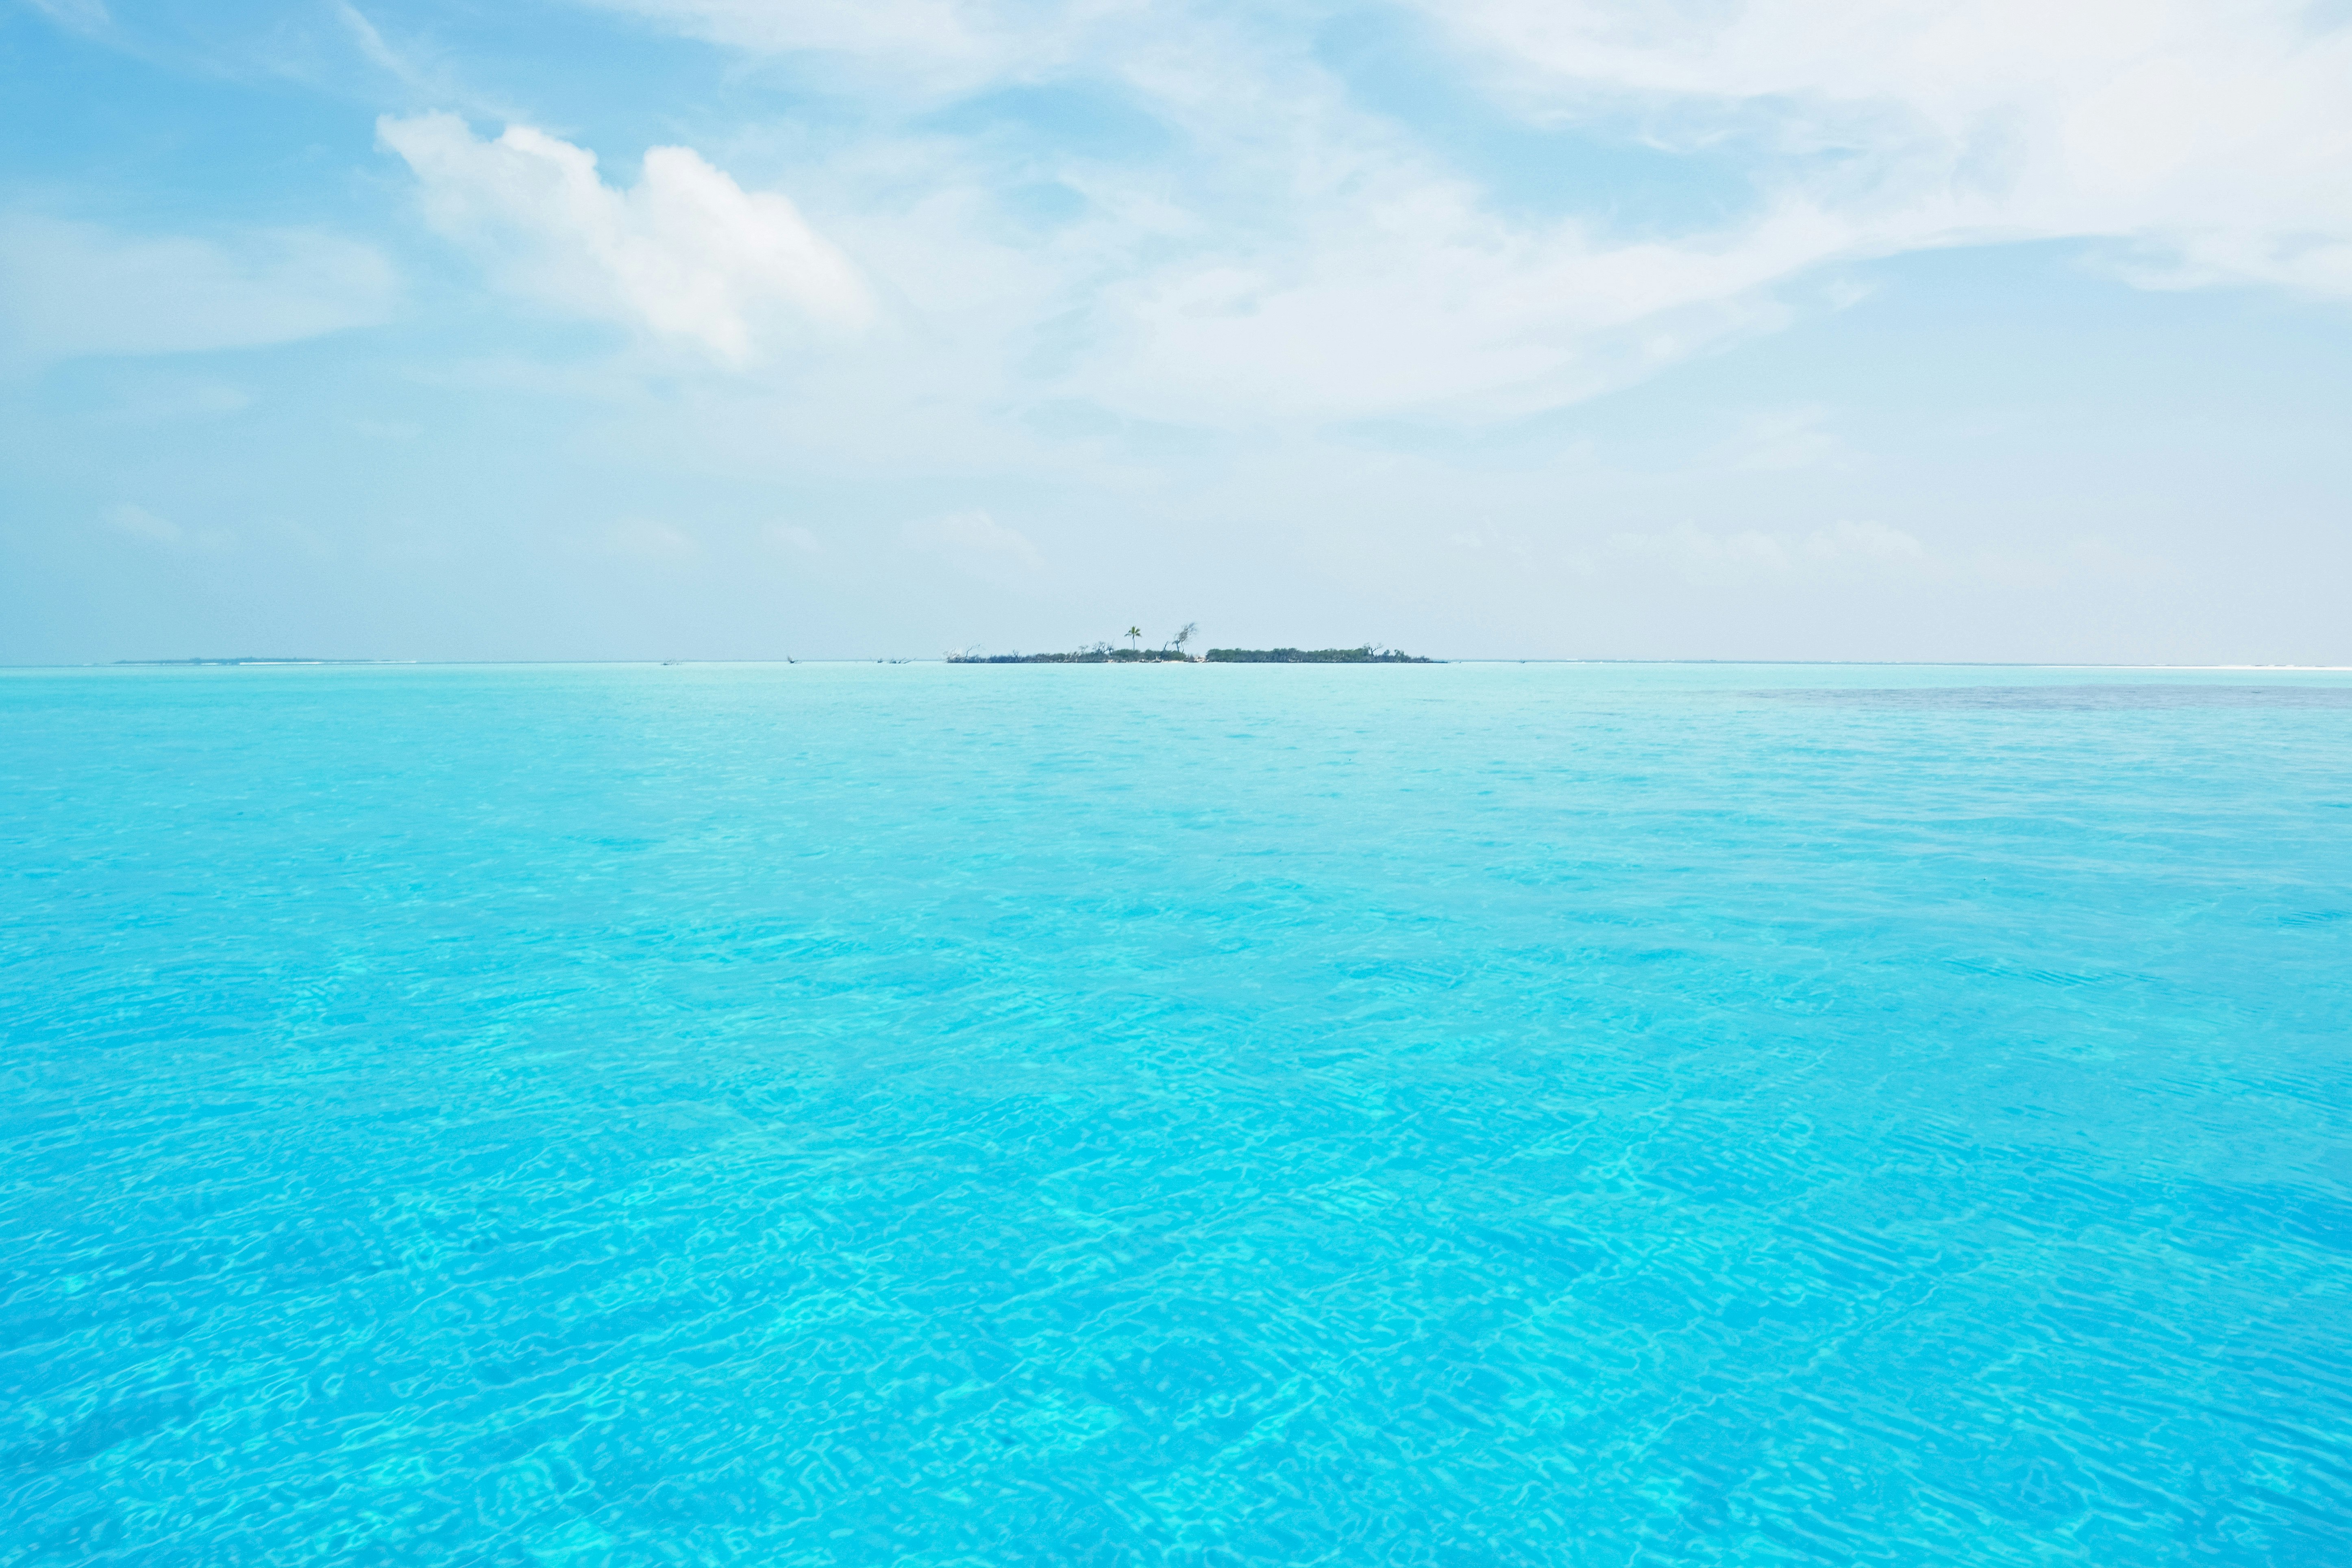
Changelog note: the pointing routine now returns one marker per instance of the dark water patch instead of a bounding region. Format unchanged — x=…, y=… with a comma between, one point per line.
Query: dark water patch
x=70, y=1442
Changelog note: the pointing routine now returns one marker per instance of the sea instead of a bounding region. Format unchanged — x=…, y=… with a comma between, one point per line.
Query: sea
x=1461, y=1114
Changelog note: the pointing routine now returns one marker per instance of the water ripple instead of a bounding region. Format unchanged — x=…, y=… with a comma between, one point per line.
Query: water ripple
x=934, y=1115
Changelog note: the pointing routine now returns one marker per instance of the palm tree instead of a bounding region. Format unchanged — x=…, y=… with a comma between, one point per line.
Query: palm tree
x=1135, y=638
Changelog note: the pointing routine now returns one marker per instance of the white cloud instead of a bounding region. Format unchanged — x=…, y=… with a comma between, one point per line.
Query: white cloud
x=686, y=254
x=371, y=43
x=1304, y=258
x=72, y=288
x=2212, y=133
x=1424, y=303
x=425, y=73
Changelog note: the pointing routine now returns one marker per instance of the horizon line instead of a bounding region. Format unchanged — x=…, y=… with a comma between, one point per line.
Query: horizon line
x=229, y=663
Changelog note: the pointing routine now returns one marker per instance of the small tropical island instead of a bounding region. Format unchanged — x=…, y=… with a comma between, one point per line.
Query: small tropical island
x=1172, y=652
x=1366, y=654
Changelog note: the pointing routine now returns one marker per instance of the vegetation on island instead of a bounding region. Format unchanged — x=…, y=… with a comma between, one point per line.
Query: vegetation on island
x=1100, y=653
x=1172, y=652
x=1366, y=654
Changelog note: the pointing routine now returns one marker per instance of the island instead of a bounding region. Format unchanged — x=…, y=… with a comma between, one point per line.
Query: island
x=1104, y=653
x=1364, y=654
x=1097, y=654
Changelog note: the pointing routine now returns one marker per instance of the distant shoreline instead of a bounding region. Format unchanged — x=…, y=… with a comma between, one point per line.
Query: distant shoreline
x=1364, y=654
x=169, y=663
x=162, y=664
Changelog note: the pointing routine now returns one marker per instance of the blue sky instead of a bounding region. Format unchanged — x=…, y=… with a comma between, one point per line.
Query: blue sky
x=725, y=329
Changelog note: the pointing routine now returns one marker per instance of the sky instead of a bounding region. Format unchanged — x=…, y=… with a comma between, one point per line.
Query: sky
x=1956, y=330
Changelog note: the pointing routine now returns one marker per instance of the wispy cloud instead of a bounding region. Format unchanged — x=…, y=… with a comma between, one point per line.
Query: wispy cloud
x=85, y=16
x=372, y=44
x=135, y=522
x=425, y=74
x=73, y=288
x=163, y=399
x=1784, y=440
x=793, y=538
x=930, y=47
x=2210, y=137
x=1303, y=257
x=648, y=539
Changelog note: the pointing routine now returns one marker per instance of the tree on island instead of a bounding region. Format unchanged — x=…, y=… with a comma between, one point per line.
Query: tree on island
x=1134, y=639
x=1184, y=637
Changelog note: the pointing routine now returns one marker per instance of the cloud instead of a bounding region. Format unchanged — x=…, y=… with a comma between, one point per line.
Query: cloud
x=2213, y=137
x=1785, y=440
x=386, y=429
x=1873, y=543
x=686, y=255
x=72, y=288
x=425, y=73
x=168, y=399
x=137, y=522
x=1299, y=251
x=371, y=43
x=85, y=16
x=140, y=524
x=1422, y=302
x=792, y=536
x=929, y=48
x=976, y=544
x=642, y=539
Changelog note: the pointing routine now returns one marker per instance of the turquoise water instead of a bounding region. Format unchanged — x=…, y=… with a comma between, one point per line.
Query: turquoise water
x=1471, y=1114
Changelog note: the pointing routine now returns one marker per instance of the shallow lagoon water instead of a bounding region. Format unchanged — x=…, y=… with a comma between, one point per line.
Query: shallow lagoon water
x=1464, y=1114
